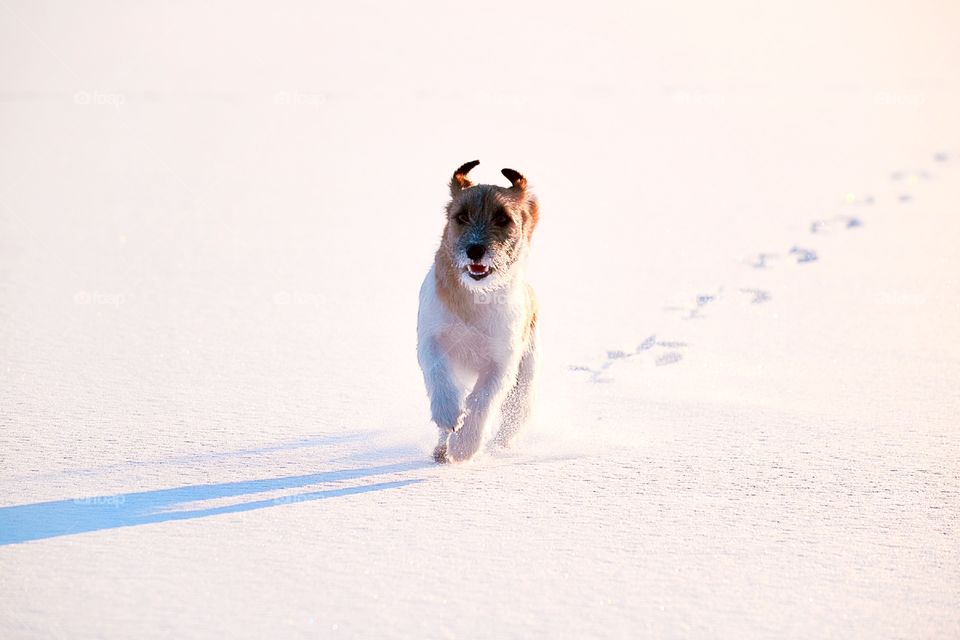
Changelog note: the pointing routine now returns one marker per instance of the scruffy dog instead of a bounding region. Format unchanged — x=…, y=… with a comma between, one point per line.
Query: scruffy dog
x=476, y=329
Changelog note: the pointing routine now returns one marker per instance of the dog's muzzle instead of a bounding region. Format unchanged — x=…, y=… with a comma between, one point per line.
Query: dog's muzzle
x=478, y=271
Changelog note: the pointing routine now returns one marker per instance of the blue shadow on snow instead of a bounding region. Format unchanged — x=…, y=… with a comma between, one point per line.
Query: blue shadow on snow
x=22, y=523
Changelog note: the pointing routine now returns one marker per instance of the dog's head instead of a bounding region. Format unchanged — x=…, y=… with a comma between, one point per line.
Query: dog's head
x=488, y=227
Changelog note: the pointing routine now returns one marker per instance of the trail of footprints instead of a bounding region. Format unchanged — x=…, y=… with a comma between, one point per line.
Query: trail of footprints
x=666, y=352
x=663, y=352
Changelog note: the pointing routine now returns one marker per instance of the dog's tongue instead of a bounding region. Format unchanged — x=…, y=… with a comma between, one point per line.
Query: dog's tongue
x=477, y=268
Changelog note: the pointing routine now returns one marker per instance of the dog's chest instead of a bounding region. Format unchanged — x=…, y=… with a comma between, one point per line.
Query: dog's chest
x=489, y=330
x=491, y=335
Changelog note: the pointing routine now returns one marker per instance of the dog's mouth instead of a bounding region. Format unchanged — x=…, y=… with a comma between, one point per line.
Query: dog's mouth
x=478, y=271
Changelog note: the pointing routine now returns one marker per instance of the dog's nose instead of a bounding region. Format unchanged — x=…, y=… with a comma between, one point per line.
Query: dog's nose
x=475, y=251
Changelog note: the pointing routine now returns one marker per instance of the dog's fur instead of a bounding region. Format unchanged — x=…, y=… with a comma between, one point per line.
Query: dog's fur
x=477, y=325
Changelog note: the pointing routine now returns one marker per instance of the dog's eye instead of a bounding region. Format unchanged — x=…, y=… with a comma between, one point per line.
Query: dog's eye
x=462, y=217
x=502, y=219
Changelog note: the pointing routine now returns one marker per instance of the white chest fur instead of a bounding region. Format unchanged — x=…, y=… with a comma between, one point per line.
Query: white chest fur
x=492, y=336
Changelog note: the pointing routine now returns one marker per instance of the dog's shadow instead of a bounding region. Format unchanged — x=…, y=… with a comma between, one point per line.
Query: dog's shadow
x=22, y=523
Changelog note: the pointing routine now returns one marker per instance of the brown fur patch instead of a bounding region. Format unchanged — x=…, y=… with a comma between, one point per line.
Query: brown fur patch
x=516, y=179
x=532, y=309
x=533, y=208
x=460, y=181
x=454, y=296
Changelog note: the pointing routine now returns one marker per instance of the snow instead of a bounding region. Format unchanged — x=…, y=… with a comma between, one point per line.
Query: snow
x=214, y=220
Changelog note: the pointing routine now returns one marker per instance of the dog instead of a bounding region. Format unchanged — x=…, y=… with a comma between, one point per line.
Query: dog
x=477, y=323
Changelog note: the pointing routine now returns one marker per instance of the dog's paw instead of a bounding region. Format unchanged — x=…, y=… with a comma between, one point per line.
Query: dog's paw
x=440, y=454
x=462, y=445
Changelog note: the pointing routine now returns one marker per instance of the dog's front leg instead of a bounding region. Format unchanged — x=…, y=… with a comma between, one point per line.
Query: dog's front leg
x=446, y=396
x=518, y=402
x=488, y=392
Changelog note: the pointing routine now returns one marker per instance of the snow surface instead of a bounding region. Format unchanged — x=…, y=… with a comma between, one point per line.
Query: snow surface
x=214, y=220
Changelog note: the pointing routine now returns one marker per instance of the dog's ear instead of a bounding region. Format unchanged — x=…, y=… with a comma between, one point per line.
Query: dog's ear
x=460, y=181
x=518, y=181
